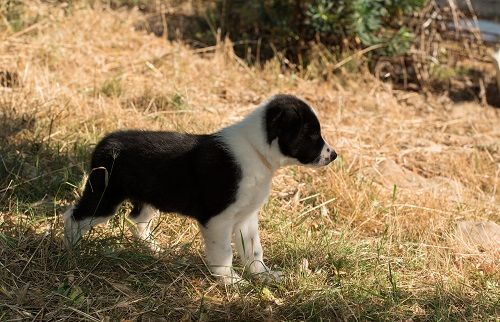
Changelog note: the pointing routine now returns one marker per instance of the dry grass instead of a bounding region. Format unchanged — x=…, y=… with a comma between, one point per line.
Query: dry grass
x=371, y=237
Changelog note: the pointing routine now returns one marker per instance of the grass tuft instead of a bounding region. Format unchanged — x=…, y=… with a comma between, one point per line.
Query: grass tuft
x=112, y=87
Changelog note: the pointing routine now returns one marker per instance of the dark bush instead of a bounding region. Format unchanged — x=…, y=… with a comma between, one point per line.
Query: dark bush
x=259, y=28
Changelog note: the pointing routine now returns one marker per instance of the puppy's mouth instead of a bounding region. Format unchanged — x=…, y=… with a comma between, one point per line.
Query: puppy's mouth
x=326, y=156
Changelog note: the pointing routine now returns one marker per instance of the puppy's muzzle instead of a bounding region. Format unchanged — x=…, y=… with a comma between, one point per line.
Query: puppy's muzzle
x=326, y=156
x=333, y=155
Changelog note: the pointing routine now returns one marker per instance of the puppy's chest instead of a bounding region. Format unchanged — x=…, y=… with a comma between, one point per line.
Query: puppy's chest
x=253, y=192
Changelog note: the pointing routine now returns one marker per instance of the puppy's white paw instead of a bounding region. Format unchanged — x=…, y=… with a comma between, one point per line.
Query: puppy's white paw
x=270, y=276
x=153, y=245
x=230, y=278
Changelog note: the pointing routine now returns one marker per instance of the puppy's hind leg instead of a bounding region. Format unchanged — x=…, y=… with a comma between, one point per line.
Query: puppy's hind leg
x=142, y=215
x=96, y=206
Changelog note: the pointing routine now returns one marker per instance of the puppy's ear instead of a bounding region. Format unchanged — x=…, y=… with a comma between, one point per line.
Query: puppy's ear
x=282, y=121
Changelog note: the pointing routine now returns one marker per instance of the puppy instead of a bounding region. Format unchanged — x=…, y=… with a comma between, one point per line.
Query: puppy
x=220, y=179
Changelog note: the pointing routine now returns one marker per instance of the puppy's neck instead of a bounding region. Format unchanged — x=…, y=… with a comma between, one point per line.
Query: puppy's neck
x=248, y=136
x=263, y=159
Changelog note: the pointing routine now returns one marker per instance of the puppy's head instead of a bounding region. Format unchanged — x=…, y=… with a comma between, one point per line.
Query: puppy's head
x=295, y=127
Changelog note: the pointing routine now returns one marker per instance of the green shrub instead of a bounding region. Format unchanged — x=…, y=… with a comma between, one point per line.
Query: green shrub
x=289, y=26
x=369, y=21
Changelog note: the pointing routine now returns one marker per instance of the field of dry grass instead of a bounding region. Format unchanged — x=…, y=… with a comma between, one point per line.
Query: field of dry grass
x=371, y=237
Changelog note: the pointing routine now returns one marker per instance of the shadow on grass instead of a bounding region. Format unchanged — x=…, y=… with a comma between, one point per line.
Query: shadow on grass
x=104, y=277
x=472, y=93
x=196, y=31
x=114, y=278
x=35, y=173
x=192, y=29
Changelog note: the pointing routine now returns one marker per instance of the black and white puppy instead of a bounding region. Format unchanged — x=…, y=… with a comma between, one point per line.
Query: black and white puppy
x=220, y=179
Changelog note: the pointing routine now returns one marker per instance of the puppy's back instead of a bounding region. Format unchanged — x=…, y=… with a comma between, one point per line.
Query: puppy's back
x=195, y=175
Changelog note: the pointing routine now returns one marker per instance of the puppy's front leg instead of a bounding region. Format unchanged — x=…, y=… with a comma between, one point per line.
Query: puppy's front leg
x=217, y=236
x=247, y=240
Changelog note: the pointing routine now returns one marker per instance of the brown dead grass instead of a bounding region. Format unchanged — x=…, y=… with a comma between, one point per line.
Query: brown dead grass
x=356, y=240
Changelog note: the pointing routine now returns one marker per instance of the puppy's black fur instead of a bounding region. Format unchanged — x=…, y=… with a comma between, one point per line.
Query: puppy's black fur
x=194, y=175
x=296, y=127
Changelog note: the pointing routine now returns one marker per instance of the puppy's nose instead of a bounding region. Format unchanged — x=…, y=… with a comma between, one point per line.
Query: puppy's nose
x=333, y=155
